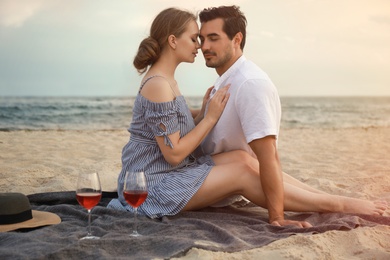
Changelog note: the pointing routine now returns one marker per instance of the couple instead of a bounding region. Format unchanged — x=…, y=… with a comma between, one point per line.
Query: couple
x=194, y=159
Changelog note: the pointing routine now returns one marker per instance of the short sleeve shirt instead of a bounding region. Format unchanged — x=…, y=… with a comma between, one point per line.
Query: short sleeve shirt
x=252, y=112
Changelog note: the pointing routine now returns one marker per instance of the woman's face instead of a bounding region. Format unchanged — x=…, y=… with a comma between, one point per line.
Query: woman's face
x=188, y=44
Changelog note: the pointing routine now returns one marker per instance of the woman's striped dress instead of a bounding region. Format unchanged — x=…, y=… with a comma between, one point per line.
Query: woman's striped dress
x=169, y=188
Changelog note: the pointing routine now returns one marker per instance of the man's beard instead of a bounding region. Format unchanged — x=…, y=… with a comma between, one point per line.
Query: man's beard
x=220, y=61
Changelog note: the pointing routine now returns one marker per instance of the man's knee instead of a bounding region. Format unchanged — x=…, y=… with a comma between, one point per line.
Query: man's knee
x=240, y=155
x=244, y=157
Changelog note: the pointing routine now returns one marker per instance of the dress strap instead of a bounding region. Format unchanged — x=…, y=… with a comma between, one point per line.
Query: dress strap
x=146, y=80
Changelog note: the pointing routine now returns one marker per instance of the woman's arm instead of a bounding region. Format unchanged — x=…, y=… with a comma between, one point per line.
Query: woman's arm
x=199, y=114
x=182, y=147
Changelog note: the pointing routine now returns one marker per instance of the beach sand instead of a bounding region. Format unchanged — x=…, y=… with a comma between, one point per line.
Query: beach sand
x=353, y=162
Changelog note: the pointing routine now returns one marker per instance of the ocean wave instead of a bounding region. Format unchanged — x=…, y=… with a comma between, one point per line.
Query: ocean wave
x=42, y=113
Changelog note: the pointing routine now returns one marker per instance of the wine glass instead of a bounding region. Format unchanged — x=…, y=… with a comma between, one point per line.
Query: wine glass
x=135, y=192
x=88, y=194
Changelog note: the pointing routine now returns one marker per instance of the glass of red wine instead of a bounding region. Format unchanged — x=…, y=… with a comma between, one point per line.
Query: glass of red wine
x=88, y=194
x=135, y=192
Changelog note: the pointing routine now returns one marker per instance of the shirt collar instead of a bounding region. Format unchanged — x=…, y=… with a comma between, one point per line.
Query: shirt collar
x=229, y=72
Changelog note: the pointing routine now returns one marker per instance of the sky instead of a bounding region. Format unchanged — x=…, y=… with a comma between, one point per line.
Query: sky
x=86, y=47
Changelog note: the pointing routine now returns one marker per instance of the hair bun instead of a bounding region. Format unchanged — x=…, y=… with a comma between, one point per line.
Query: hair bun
x=148, y=53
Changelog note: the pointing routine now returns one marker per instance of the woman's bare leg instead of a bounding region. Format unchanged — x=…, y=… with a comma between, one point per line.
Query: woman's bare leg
x=224, y=181
x=228, y=179
x=240, y=156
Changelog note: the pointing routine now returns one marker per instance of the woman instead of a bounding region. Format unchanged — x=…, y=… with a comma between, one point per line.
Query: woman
x=164, y=139
x=163, y=132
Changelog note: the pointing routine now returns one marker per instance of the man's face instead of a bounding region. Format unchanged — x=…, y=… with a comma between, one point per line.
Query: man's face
x=217, y=48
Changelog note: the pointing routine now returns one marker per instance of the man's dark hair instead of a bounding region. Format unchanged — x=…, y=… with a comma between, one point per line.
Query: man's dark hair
x=234, y=20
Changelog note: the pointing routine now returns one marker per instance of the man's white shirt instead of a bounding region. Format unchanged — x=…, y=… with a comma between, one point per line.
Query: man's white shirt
x=252, y=112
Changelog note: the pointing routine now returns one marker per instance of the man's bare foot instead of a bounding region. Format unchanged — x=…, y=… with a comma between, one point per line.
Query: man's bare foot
x=367, y=207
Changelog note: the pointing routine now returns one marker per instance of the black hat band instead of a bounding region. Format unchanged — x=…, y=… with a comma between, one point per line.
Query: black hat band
x=15, y=218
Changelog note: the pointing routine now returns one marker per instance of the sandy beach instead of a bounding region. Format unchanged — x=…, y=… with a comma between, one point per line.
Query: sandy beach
x=350, y=161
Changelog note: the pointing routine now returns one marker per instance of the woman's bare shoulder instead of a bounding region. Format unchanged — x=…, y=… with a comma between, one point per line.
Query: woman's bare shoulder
x=158, y=90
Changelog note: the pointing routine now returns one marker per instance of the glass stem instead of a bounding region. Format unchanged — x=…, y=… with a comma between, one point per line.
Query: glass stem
x=135, y=222
x=89, y=223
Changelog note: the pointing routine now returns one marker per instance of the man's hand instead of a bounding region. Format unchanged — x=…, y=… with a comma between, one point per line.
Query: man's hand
x=271, y=177
x=285, y=222
x=272, y=181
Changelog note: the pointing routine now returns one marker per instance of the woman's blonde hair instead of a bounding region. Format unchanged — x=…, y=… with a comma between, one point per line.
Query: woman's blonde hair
x=171, y=21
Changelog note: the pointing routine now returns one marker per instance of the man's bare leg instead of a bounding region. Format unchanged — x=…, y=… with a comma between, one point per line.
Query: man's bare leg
x=295, y=196
x=244, y=179
x=290, y=179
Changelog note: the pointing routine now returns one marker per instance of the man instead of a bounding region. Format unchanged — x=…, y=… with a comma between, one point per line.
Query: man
x=252, y=116
x=251, y=122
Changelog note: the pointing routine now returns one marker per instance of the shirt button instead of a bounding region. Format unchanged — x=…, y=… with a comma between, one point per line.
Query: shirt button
x=213, y=91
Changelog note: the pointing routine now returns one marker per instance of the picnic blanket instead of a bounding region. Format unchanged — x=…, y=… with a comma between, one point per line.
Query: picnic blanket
x=229, y=229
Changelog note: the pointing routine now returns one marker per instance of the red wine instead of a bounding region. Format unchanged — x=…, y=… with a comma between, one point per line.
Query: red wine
x=88, y=200
x=136, y=197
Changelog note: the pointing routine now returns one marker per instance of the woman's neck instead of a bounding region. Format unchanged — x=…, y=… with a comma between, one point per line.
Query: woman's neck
x=165, y=66
x=164, y=69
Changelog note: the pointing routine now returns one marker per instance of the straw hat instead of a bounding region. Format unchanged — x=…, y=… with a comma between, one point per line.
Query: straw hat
x=16, y=213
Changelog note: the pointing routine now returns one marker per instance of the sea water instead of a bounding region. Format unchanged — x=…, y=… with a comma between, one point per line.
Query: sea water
x=105, y=113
